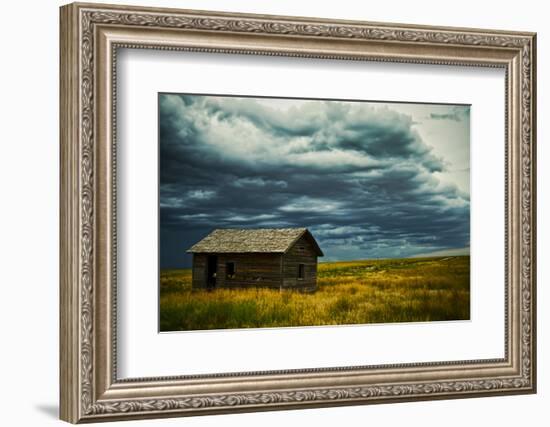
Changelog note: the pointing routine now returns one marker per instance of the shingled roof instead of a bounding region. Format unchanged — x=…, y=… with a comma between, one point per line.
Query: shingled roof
x=259, y=240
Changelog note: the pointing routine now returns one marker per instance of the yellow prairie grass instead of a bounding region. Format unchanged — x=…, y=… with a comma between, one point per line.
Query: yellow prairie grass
x=351, y=292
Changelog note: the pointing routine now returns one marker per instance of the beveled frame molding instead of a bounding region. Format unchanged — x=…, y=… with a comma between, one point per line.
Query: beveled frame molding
x=90, y=36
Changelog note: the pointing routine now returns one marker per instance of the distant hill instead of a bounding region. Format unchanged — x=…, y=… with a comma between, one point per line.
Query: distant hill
x=444, y=252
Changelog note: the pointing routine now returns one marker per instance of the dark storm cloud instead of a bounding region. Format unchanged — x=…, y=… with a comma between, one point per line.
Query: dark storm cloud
x=357, y=175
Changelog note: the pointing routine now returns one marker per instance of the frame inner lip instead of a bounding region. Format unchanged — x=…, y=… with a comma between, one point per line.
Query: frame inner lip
x=341, y=370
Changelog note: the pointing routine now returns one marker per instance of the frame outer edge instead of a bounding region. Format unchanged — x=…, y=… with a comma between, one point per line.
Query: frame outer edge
x=77, y=339
x=533, y=204
x=69, y=355
x=305, y=19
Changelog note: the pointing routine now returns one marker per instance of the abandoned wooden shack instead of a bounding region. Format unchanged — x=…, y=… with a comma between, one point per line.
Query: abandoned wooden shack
x=282, y=258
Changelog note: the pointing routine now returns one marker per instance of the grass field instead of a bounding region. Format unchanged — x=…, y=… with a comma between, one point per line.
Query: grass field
x=370, y=291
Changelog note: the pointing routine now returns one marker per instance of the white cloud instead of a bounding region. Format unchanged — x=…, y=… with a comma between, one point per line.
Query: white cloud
x=309, y=204
x=201, y=194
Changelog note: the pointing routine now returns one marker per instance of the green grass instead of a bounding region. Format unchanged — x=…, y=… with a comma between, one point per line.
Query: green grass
x=370, y=291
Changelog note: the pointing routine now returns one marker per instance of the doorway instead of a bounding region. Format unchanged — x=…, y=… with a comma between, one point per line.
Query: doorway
x=211, y=271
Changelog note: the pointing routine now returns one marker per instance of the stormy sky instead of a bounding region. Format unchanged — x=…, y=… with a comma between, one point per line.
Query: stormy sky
x=369, y=179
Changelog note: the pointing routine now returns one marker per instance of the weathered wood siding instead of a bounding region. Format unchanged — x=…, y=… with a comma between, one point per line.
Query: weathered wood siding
x=251, y=270
x=199, y=270
x=302, y=252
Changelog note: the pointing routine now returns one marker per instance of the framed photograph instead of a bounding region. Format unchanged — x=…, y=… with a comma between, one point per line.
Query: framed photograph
x=266, y=212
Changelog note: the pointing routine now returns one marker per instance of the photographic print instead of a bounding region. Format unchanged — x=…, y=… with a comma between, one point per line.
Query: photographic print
x=287, y=212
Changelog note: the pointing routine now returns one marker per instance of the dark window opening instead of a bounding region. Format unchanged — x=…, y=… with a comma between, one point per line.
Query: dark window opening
x=301, y=271
x=230, y=270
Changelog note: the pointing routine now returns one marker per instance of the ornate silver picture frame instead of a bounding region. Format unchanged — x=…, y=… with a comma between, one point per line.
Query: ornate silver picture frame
x=91, y=36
